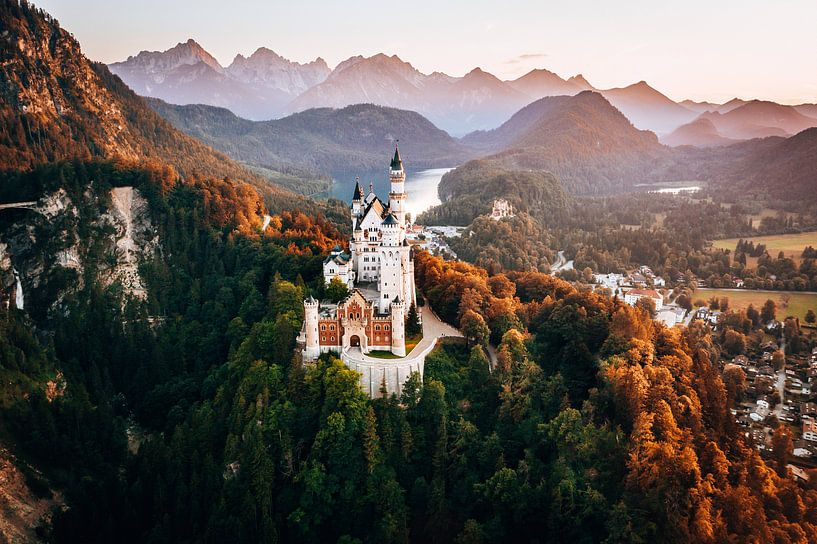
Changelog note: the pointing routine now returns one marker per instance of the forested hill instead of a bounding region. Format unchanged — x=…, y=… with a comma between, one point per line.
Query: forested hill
x=585, y=141
x=778, y=168
x=469, y=191
x=322, y=140
x=56, y=104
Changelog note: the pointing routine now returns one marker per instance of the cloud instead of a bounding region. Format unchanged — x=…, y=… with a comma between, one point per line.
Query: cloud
x=526, y=57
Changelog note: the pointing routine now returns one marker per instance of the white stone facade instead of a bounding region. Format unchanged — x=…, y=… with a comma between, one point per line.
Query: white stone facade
x=379, y=271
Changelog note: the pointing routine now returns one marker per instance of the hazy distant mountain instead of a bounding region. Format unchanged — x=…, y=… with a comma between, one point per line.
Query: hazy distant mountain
x=267, y=86
x=647, y=108
x=541, y=83
x=731, y=105
x=320, y=140
x=759, y=119
x=458, y=105
x=257, y=87
x=700, y=133
x=699, y=107
x=583, y=139
x=267, y=69
x=809, y=110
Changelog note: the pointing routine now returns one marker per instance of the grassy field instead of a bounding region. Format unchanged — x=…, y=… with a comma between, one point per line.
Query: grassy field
x=798, y=304
x=790, y=244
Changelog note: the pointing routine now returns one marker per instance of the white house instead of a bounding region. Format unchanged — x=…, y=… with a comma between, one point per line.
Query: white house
x=634, y=295
x=339, y=265
x=610, y=281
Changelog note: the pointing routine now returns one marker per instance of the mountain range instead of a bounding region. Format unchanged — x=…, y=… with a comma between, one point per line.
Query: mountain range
x=320, y=140
x=745, y=121
x=267, y=86
x=256, y=87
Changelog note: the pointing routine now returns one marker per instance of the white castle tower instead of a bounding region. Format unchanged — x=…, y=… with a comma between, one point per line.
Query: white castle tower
x=311, y=348
x=397, y=193
x=398, y=326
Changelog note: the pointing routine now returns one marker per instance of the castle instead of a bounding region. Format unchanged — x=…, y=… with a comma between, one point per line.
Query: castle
x=502, y=208
x=378, y=269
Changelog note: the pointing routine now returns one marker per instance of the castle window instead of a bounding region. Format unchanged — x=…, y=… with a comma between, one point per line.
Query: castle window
x=386, y=295
x=385, y=327
x=323, y=327
x=377, y=327
x=331, y=327
x=332, y=338
x=377, y=338
x=323, y=339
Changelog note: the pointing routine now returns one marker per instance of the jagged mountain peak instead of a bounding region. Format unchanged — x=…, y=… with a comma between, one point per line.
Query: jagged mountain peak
x=188, y=52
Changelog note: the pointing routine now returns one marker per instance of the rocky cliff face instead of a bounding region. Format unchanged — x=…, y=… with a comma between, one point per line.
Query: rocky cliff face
x=134, y=239
x=23, y=512
x=44, y=76
x=50, y=248
x=267, y=69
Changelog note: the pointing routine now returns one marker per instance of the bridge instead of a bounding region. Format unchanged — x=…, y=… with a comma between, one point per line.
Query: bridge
x=28, y=205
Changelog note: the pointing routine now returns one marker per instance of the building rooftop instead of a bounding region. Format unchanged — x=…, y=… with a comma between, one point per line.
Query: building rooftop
x=396, y=162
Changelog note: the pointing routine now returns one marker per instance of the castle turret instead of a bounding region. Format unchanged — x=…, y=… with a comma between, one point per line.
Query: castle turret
x=312, y=348
x=357, y=200
x=391, y=272
x=397, y=192
x=398, y=327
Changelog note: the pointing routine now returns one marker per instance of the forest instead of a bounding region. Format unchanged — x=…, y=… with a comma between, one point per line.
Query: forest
x=596, y=425
x=671, y=234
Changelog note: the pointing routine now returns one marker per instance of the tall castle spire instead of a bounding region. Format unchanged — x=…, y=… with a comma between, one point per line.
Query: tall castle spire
x=396, y=162
x=397, y=194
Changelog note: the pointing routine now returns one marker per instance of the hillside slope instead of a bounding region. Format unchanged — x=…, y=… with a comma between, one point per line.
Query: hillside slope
x=647, y=108
x=56, y=104
x=783, y=168
x=477, y=100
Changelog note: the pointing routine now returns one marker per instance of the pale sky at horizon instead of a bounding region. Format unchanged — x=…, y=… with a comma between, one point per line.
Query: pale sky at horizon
x=713, y=50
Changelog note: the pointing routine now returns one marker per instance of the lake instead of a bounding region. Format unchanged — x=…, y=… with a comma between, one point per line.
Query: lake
x=678, y=190
x=672, y=187
x=421, y=187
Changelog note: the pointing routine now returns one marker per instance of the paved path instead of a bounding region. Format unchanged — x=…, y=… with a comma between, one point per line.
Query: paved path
x=433, y=329
x=12, y=205
x=375, y=372
x=561, y=263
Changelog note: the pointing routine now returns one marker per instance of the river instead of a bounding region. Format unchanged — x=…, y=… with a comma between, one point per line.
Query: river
x=421, y=187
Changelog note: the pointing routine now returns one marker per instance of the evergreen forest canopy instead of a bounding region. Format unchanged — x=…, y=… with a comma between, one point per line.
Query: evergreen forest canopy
x=596, y=425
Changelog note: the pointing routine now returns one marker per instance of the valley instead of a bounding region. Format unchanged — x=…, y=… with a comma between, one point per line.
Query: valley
x=245, y=298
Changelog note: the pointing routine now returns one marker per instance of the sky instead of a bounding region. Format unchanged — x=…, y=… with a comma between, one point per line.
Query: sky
x=700, y=50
